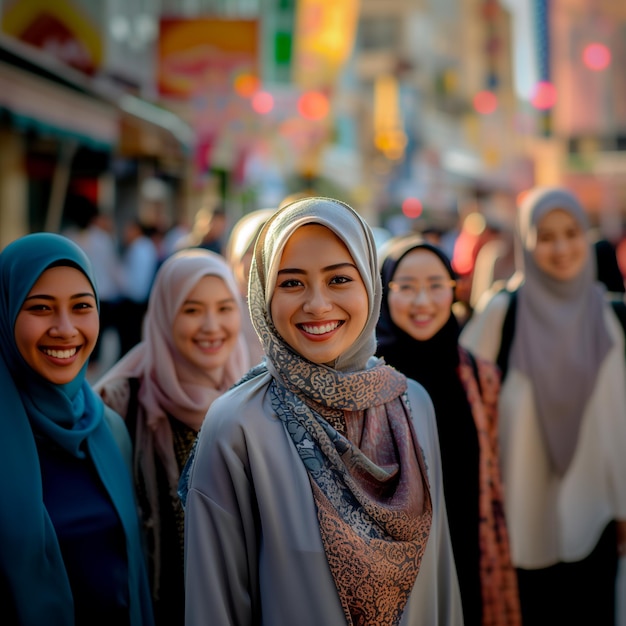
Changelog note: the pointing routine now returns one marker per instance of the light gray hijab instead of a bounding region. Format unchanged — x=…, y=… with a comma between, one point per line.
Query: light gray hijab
x=352, y=229
x=560, y=337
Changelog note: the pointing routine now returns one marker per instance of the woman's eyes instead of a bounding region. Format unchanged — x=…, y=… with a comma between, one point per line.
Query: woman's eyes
x=295, y=282
x=84, y=306
x=43, y=307
x=290, y=282
x=224, y=308
x=549, y=237
x=341, y=280
x=436, y=286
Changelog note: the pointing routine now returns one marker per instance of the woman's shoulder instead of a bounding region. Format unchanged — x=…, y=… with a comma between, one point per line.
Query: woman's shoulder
x=495, y=303
x=420, y=403
x=482, y=334
x=478, y=363
x=491, y=314
x=245, y=399
x=422, y=414
x=116, y=394
x=239, y=420
x=417, y=394
x=117, y=426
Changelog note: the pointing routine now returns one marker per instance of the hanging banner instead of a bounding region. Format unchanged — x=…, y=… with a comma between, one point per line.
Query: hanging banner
x=195, y=55
x=324, y=37
x=203, y=66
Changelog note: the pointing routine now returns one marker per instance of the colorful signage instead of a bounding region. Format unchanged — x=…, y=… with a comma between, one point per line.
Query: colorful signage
x=60, y=28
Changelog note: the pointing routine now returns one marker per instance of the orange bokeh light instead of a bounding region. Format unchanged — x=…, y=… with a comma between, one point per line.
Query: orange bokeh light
x=521, y=196
x=246, y=85
x=313, y=105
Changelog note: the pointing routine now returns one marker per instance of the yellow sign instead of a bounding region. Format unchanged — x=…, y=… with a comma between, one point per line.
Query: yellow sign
x=324, y=37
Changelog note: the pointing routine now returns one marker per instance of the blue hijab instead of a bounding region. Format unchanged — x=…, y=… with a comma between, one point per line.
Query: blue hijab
x=32, y=571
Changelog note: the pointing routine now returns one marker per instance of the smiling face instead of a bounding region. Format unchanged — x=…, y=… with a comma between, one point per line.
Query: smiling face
x=206, y=326
x=561, y=248
x=320, y=304
x=421, y=294
x=58, y=324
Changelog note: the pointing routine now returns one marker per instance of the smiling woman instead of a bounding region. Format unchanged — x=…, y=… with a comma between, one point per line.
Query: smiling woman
x=562, y=406
x=192, y=351
x=70, y=547
x=318, y=309
x=418, y=334
x=57, y=326
x=315, y=493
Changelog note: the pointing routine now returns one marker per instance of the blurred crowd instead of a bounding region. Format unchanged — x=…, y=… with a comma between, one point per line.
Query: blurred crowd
x=438, y=411
x=480, y=246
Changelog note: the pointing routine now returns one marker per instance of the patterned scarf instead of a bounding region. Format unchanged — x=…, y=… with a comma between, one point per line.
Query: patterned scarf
x=352, y=429
x=456, y=384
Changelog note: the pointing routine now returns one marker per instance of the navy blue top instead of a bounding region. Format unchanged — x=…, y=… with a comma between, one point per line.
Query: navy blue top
x=90, y=535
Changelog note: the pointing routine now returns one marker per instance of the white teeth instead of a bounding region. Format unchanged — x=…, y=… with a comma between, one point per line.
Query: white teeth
x=210, y=344
x=320, y=330
x=60, y=354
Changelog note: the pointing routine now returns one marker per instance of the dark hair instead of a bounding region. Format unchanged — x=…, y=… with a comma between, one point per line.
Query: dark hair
x=607, y=267
x=79, y=210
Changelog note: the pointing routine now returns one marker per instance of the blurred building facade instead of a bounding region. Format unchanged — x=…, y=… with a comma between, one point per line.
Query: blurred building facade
x=582, y=142
x=77, y=113
x=423, y=64
x=372, y=101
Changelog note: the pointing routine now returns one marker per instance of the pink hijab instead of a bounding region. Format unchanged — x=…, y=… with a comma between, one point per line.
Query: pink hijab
x=169, y=383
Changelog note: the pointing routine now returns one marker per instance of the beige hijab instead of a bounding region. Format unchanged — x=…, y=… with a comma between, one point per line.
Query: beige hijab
x=240, y=243
x=351, y=426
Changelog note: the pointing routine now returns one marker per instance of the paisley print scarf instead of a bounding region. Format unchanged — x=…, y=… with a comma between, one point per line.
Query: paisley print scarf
x=352, y=429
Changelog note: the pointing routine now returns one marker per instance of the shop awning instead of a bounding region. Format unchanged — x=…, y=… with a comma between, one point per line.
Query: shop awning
x=149, y=130
x=41, y=95
x=41, y=105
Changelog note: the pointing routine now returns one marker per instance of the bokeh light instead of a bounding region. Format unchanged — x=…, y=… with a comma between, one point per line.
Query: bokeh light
x=246, y=85
x=544, y=95
x=596, y=56
x=412, y=207
x=485, y=102
x=313, y=105
x=262, y=102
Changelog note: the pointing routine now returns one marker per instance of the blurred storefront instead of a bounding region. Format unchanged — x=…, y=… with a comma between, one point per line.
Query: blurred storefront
x=54, y=129
x=72, y=122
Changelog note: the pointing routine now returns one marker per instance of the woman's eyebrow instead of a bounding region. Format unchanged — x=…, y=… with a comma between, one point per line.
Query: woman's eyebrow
x=45, y=296
x=328, y=268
